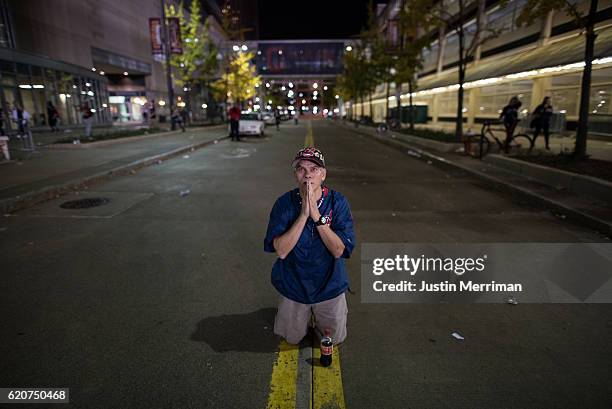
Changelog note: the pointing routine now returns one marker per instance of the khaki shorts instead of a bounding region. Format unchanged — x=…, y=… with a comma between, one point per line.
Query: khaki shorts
x=292, y=318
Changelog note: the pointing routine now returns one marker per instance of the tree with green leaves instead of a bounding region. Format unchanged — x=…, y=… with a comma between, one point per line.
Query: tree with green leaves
x=354, y=83
x=383, y=60
x=538, y=9
x=240, y=79
x=197, y=65
x=449, y=19
x=414, y=19
x=230, y=22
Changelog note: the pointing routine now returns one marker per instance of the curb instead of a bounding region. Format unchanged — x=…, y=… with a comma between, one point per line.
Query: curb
x=124, y=139
x=572, y=214
x=421, y=142
x=555, y=178
x=28, y=199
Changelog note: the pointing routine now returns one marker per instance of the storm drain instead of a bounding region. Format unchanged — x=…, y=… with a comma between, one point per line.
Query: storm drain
x=85, y=203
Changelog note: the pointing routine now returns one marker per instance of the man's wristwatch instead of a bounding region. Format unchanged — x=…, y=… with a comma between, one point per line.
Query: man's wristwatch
x=322, y=220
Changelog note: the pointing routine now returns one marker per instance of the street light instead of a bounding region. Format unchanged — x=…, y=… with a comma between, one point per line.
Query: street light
x=337, y=96
x=236, y=48
x=244, y=47
x=315, y=85
x=349, y=48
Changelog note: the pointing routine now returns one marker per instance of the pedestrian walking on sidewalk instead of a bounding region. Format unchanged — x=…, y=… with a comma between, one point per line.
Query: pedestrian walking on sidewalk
x=21, y=118
x=277, y=119
x=185, y=117
x=2, y=130
x=311, y=231
x=151, y=109
x=234, y=116
x=177, y=118
x=509, y=116
x=87, y=119
x=52, y=117
x=541, y=120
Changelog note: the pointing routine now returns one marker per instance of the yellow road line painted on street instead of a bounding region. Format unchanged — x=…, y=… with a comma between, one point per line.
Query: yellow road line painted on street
x=283, y=384
x=309, y=140
x=327, y=391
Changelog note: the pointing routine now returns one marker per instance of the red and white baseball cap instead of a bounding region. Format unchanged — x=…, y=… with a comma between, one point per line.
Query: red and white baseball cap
x=311, y=154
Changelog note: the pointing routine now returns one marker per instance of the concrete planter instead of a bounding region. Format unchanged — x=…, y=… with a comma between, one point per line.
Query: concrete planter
x=559, y=179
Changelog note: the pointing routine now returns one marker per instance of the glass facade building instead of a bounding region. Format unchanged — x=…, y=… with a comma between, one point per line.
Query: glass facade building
x=32, y=82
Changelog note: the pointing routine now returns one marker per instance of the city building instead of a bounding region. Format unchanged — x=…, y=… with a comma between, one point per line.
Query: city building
x=543, y=59
x=70, y=52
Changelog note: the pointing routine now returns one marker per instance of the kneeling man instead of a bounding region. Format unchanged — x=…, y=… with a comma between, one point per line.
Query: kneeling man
x=311, y=231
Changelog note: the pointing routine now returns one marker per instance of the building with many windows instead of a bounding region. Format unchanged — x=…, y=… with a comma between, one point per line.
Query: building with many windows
x=543, y=59
x=70, y=52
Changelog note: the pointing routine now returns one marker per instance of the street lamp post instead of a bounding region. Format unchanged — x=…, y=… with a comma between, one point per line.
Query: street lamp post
x=166, y=42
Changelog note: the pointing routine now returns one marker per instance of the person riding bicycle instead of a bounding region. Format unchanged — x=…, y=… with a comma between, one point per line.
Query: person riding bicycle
x=509, y=116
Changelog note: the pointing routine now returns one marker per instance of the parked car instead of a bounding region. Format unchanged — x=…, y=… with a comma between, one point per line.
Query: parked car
x=250, y=123
x=268, y=118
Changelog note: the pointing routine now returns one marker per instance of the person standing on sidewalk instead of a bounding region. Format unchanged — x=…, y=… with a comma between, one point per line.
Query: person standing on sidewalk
x=277, y=119
x=177, y=118
x=52, y=116
x=509, y=116
x=234, y=116
x=21, y=117
x=2, y=131
x=541, y=120
x=311, y=231
x=151, y=106
x=87, y=119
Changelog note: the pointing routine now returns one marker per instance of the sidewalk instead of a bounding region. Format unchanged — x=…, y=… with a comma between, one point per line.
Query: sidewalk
x=591, y=210
x=597, y=148
x=43, y=136
x=49, y=172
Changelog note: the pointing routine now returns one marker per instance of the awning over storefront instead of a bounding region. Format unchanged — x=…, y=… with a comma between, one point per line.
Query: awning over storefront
x=113, y=63
x=562, y=52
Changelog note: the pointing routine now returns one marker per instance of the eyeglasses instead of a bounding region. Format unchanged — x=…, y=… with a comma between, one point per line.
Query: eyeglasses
x=301, y=169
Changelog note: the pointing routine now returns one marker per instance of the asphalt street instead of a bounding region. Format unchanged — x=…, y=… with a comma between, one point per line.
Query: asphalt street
x=159, y=299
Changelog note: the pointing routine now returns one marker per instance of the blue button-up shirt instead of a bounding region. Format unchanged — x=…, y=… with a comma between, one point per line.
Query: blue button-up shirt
x=310, y=273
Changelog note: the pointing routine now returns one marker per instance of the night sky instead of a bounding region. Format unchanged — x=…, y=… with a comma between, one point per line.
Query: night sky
x=311, y=19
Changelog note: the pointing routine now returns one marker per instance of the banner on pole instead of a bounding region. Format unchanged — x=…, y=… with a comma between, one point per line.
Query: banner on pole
x=176, y=46
x=155, y=32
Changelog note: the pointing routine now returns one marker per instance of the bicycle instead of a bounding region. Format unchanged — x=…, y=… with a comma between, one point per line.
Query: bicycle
x=486, y=139
x=391, y=124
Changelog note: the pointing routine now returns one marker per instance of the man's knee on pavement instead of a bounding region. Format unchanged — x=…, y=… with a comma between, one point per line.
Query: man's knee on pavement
x=291, y=335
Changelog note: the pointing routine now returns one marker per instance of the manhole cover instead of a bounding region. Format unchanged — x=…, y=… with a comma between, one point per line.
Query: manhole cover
x=85, y=203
